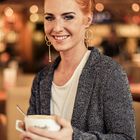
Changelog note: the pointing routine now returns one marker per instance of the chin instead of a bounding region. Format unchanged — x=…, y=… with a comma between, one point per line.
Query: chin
x=62, y=49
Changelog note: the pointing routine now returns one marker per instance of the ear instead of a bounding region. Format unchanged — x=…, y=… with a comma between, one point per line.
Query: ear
x=88, y=20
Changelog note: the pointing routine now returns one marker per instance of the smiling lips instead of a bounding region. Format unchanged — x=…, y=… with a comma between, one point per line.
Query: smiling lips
x=60, y=38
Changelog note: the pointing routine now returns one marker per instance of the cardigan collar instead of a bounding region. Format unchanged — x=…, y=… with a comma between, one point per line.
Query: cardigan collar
x=83, y=91
x=93, y=58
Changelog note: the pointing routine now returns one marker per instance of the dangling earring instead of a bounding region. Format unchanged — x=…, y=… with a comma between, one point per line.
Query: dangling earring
x=48, y=43
x=88, y=37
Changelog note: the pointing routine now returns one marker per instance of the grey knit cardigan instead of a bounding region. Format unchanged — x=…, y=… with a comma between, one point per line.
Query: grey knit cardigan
x=103, y=105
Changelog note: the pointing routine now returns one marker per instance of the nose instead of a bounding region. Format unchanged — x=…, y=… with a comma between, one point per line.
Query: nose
x=58, y=26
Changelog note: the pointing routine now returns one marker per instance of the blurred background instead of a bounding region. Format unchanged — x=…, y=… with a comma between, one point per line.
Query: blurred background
x=115, y=32
x=115, y=29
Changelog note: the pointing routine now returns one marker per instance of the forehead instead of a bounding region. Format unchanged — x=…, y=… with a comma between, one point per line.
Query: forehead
x=61, y=6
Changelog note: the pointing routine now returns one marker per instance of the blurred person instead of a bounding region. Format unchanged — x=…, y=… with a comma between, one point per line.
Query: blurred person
x=111, y=45
x=87, y=91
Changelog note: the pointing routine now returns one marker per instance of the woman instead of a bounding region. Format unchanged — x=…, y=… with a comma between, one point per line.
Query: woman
x=88, y=90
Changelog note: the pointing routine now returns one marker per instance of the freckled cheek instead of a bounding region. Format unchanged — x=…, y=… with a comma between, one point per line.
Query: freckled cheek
x=47, y=29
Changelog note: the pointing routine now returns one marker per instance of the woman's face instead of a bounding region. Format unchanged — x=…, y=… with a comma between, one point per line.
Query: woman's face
x=65, y=24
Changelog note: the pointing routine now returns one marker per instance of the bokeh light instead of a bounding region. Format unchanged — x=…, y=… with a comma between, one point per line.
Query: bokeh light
x=34, y=9
x=99, y=7
x=34, y=17
x=8, y=11
x=135, y=7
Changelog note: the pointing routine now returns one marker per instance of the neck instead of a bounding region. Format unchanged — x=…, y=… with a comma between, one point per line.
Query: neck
x=71, y=59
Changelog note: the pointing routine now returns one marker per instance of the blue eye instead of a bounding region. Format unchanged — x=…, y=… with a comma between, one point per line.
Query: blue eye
x=68, y=17
x=49, y=18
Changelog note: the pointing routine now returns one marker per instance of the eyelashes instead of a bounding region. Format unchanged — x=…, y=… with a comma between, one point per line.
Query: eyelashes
x=69, y=17
x=65, y=17
x=49, y=18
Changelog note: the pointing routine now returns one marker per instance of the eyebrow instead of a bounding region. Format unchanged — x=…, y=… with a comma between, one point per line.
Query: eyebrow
x=67, y=13
x=62, y=14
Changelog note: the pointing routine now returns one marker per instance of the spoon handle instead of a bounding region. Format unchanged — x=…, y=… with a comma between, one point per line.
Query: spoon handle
x=20, y=110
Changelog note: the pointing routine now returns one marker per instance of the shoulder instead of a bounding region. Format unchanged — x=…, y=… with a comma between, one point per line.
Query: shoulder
x=103, y=64
x=43, y=73
x=109, y=63
x=47, y=71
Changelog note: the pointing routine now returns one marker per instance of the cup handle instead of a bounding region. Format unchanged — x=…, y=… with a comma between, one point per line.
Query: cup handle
x=19, y=125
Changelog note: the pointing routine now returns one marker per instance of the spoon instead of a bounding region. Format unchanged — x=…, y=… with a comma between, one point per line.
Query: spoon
x=20, y=110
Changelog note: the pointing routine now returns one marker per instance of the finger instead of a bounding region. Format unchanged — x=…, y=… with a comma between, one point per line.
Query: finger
x=22, y=136
x=33, y=136
x=43, y=133
x=62, y=122
x=22, y=125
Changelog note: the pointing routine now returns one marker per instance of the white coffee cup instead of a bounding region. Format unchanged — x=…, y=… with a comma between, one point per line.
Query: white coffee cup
x=47, y=122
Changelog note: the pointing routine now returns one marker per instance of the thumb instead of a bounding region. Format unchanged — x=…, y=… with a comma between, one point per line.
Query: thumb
x=63, y=122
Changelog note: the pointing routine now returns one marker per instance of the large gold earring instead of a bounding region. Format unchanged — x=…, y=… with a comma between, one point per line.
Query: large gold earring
x=48, y=43
x=88, y=37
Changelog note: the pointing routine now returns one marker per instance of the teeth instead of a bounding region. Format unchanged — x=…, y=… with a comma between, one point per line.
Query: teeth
x=60, y=37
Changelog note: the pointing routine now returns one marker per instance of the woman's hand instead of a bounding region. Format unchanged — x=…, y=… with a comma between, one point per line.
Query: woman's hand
x=40, y=134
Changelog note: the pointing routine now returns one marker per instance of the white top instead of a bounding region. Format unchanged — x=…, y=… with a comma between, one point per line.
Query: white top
x=63, y=97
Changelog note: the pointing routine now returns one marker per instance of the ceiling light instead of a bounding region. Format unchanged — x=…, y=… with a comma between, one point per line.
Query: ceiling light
x=8, y=11
x=34, y=17
x=34, y=9
x=135, y=7
x=99, y=7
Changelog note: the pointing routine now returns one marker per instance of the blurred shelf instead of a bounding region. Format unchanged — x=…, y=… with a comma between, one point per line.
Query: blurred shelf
x=122, y=30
